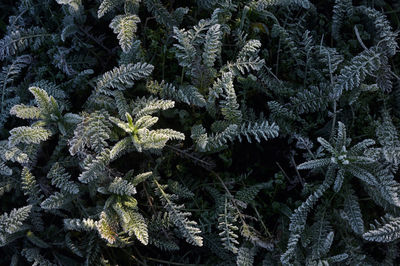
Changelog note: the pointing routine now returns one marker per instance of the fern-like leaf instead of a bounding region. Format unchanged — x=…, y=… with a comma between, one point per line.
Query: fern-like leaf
x=124, y=76
x=212, y=45
x=125, y=26
x=386, y=232
x=28, y=135
x=352, y=212
x=188, y=228
x=351, y=76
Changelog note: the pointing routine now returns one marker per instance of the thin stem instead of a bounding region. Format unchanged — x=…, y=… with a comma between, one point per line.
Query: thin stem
x=333, y=120
x=171, y=262
x=95, y=40
x=297, y=171
x=230, y=196
x=136, y=259
x=262, y=223
x=198, y=160
x=283, y=171
x=277, y=57
x=164, y=48
x=182, y=75
x=359, y=38
x=334, y=98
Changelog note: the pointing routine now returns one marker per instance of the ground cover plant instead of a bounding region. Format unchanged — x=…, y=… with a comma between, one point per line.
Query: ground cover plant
x=211, y=132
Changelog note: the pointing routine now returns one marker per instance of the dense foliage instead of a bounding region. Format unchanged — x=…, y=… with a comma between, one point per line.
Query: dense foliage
x=210, y=132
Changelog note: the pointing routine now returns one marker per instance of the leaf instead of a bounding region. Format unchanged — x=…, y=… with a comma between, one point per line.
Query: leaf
x=125, y=27
x=139, y=227
x=352, y=212
x=124, y=76
x=386, y=232
x=28, y=135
